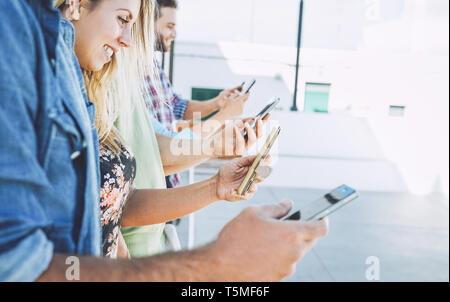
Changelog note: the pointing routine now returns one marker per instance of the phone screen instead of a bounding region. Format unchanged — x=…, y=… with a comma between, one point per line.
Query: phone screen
x=250, y=87
x=269, y=107
x=325, y=205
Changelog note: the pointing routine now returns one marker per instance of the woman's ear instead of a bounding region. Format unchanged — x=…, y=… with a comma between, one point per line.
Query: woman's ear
x=73, y=10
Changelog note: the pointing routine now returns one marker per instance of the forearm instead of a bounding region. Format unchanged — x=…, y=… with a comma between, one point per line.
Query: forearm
x=187, y=266
x=146, y=207
x=180, y=155
x=204, y=108
x=221, y=117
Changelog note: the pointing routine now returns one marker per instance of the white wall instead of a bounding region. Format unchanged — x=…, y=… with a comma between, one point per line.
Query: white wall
x=374, y=53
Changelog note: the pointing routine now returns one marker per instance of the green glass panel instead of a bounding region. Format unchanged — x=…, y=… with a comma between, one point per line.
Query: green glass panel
x=204, y=94
x=316, y=97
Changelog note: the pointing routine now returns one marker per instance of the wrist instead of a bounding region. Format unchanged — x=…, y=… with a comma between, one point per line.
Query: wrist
x=210, y=127
x=221, y=116
x=216, y=258
x=213, y=184
x=216, y=104
x=198, y=265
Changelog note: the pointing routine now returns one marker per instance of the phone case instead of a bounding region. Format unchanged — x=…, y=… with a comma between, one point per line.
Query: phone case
x=251, y=174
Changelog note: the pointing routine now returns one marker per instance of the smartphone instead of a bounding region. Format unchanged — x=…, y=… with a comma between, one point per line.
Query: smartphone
x=241, y=87
x=250, y=87
x=251, y=174
x=325, y=205
x=266, y=110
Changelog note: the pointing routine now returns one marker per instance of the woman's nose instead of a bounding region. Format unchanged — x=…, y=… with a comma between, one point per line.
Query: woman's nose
x=125, y=38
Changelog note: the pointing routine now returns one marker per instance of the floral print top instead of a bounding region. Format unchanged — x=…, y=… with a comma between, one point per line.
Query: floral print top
x=117, y=177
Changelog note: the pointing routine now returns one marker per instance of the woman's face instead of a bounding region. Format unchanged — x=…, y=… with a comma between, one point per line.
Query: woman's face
x=102, y=30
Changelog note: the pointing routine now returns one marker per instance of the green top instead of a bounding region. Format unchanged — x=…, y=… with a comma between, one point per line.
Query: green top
x=140, y=136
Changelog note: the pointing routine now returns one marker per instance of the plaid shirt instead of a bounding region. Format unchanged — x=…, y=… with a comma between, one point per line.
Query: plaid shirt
x=165, y=113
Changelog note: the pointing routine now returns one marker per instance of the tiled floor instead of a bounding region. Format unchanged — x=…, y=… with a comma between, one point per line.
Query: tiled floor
x=408, y=234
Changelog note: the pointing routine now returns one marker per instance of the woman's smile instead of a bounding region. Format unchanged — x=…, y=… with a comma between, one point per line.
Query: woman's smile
x=108, y=51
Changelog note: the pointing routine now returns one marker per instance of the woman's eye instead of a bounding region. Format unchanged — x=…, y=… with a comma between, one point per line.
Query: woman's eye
x=123, y=20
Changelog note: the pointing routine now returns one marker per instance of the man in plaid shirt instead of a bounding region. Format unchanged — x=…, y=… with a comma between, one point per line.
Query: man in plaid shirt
x=166, y=115
x=229, y=103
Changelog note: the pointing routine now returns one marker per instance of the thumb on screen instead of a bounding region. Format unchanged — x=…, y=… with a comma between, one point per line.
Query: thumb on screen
x=277, y=210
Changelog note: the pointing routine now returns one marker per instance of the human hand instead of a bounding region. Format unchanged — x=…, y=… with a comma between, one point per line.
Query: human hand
x=231, y=176
x=232, y=106
x=257, y=246
x=257, y=125
x=226, y=95
x=229, y=142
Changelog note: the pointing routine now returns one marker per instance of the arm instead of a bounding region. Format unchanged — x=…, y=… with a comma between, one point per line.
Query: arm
x=231, y=108
x=146, y=207
x=207, y=107
x=193, y=266
x=179, y=155
x=203, y=108
x=172, y=161
x=273, y=248
x=25, y=250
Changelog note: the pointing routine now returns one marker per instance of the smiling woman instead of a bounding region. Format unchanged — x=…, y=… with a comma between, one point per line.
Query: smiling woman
x=94, y=48
x=114, y=44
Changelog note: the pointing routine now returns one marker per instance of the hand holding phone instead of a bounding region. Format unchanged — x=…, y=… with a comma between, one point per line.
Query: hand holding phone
x=251, y=174
x=325, y=205
x=269, y=107
x=241, y=87
x=262, y=114
x=250, y=87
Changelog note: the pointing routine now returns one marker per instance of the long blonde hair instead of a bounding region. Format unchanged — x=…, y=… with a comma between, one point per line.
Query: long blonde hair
x=117, y=89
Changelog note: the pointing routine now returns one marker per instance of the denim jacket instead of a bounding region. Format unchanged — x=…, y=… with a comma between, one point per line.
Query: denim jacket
x=49, y=174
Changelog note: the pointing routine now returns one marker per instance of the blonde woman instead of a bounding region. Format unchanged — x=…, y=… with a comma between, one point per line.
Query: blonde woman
x=108, y=55
x=49, y=213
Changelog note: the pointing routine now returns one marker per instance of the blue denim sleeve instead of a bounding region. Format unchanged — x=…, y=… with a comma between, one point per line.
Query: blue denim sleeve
x=25, y=251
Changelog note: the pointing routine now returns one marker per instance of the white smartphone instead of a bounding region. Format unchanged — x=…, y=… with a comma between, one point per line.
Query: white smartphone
x=262, y=114
x=269, y=107
x=250, y=86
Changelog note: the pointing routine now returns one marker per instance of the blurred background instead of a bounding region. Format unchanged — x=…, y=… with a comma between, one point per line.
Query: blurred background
x=370, y=109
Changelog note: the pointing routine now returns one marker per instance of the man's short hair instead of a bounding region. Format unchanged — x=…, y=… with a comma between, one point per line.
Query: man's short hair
x=167, y=3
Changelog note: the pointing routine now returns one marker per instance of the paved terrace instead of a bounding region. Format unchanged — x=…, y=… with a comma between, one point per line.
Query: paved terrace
x=408, y=233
